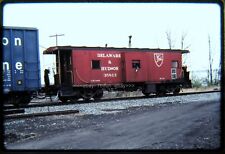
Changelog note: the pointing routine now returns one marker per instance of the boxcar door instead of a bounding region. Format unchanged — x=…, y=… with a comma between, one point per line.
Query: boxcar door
x=135, y=66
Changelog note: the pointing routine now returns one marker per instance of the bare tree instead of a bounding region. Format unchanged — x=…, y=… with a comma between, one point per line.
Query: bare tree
x=183, y=46
x=169, y=39
x=183, y=37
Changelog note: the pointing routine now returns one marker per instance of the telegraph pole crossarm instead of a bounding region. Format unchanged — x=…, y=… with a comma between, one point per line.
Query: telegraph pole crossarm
x=56, y=38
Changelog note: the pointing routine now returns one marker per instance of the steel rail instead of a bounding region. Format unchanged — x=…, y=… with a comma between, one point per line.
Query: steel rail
x=40, y=114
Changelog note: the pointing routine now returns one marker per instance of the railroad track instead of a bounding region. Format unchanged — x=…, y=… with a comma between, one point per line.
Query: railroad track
x=58, y=103
x=39, y=114
x=10, y=112
x=13, y=111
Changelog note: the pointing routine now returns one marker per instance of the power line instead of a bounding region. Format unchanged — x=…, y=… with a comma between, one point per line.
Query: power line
x=42, y=47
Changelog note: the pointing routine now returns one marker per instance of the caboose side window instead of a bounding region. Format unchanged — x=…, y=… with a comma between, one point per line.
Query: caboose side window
x=95, y=64
x=136, y=64
x=174, y=64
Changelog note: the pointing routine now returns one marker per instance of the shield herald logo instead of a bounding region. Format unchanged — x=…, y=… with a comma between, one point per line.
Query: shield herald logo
x=158, y=58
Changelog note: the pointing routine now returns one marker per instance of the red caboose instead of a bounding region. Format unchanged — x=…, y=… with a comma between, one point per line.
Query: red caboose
x=84, y=72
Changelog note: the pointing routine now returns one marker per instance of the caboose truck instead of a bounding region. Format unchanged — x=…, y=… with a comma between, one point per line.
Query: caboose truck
x=84, y=72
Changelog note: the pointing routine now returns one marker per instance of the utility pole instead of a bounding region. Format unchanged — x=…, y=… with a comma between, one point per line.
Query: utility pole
x=58, y=55
x=210, y=60
x=56, y=38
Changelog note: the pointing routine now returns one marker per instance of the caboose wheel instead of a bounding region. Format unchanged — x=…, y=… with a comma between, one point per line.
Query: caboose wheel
x=160, y=93
x=86, y=97
x=63, y=99
x=87, y=94
x=176, y=91
x=74, y=99
x=146, y=94
x=98, y=95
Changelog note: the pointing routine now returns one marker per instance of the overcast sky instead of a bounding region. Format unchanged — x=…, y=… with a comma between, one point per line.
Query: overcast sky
x=95, y=24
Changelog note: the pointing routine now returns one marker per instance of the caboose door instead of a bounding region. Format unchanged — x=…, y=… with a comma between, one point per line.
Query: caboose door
x=66, y=68
x=135, y=67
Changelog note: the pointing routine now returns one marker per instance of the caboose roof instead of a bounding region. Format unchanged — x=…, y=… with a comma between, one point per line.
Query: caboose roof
x=55, y=49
